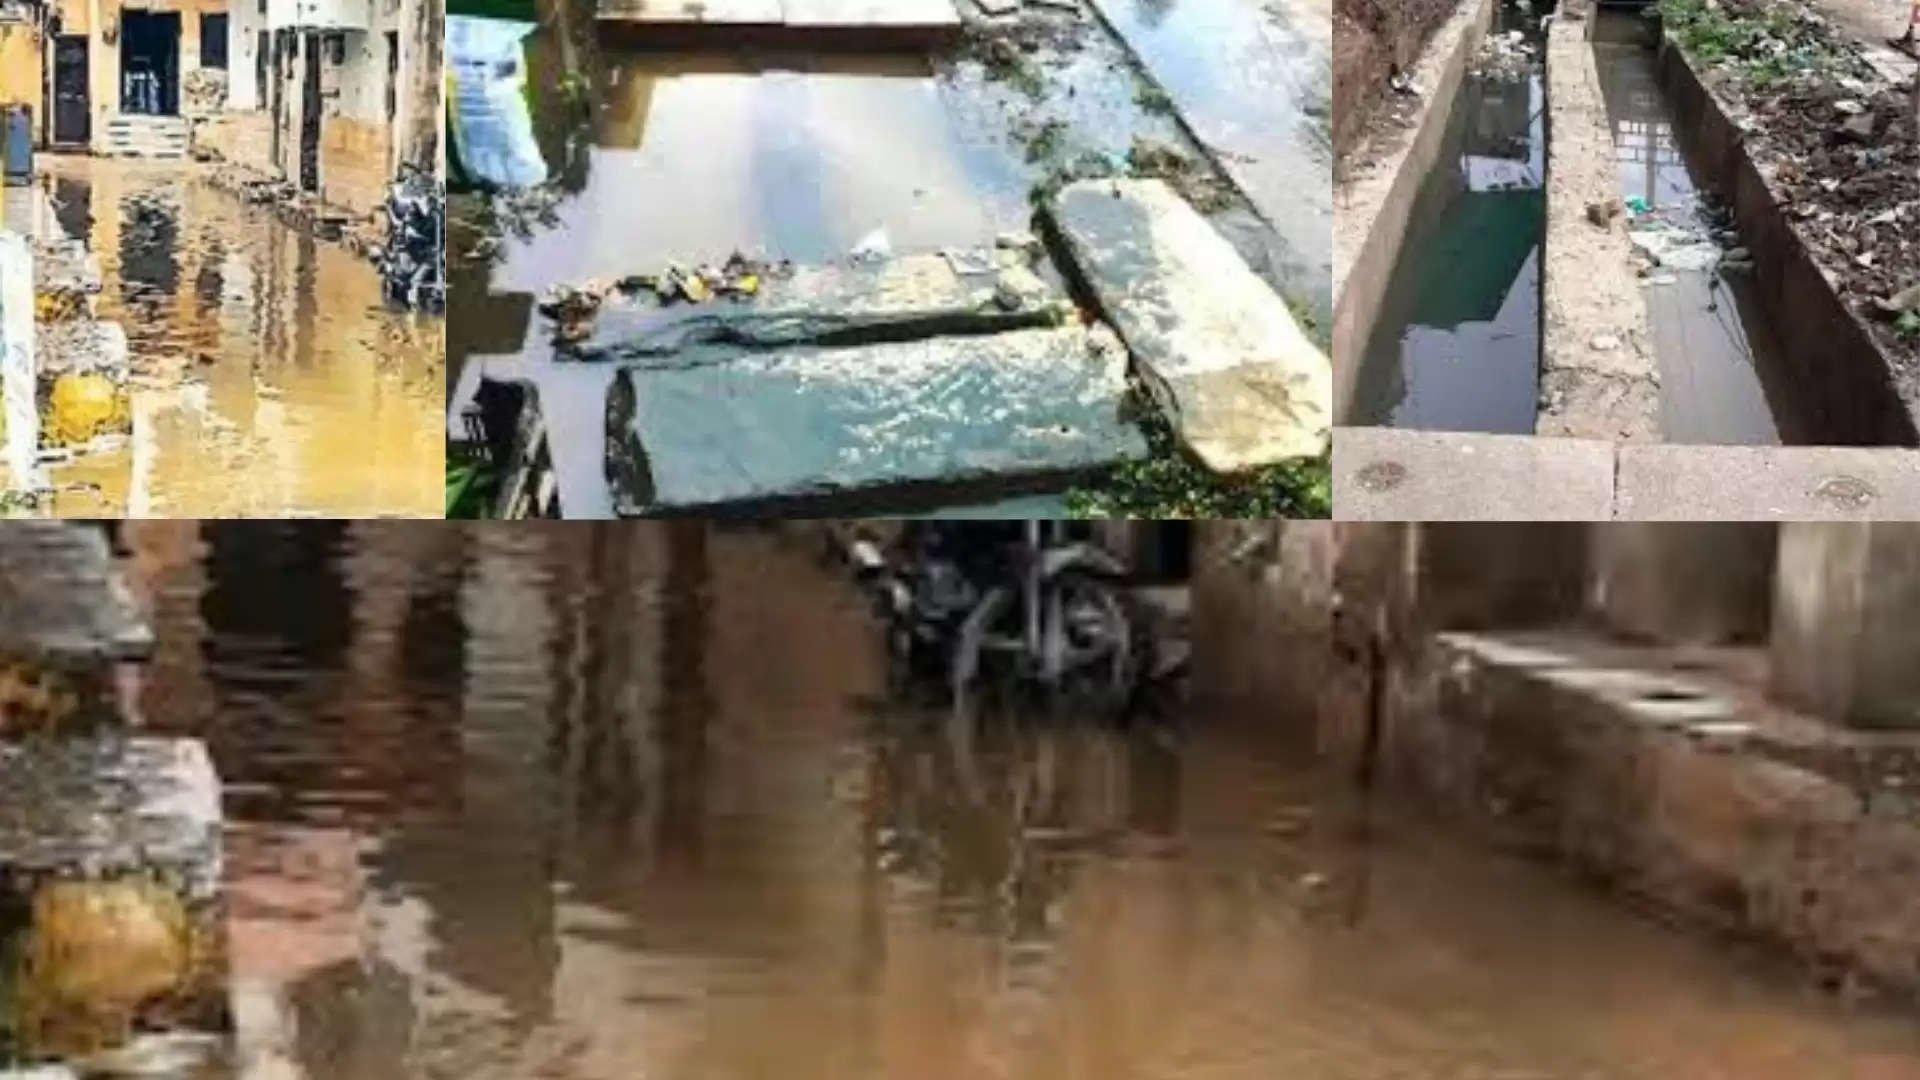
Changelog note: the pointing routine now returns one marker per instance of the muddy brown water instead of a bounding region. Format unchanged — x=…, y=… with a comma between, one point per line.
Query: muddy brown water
x=270, y=380
x=607, y=803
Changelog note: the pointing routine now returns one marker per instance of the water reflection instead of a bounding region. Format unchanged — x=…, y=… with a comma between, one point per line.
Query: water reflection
x=270, y=380
x=605, y=803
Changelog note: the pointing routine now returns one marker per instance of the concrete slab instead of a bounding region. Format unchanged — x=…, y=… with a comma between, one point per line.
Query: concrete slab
x=1846, y=622
x=1598, y=375
x=1758, y=483
x=1390, y=474
x=819, y=427
x=975, y=291
x=111, y=850
x=1239, y=382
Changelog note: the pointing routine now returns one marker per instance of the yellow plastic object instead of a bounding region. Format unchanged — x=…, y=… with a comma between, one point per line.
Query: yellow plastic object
x=82, y=406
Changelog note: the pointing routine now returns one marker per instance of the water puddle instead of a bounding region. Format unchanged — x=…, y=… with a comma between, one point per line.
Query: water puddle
x=271, y=380
x=1456, y=346
x=1253, y=79
x=607, y=802
x=1709, y=333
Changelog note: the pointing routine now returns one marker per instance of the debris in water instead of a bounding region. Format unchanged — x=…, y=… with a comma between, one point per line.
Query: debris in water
x=873, y=247
x=410, y=261
x=1504, y=57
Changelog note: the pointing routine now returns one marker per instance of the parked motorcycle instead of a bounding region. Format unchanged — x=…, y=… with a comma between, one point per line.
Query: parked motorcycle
x=1007, y=605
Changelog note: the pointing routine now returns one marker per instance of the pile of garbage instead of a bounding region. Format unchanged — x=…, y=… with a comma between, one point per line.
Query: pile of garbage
x=410, y=262
x=1695, y=236
x=573, y=308
x=1505, y=57
x=1837, y=143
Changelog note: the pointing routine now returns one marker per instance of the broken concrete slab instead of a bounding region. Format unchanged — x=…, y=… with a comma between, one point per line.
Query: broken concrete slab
x=815, y=23
x=1219, y=350
x=110, y=859
x=1391, y=474
x=877, y=422
x=986, y=290
x=1667, y=482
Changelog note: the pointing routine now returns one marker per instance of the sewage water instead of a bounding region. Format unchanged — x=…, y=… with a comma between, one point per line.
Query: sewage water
x=1456, y=346
x=631, y=803
x=1716, y=352
x=271, y=380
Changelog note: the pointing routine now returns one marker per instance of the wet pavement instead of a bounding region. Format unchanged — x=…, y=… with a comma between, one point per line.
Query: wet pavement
x=1456, y=346
x=270, y=380
x=604, y=803
x=1717, y=354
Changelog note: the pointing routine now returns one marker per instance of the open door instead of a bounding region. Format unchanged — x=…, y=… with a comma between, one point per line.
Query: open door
x=310, y=116
x=72, y=123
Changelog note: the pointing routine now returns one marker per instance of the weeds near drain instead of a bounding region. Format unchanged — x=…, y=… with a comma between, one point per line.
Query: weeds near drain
x=1170, y=483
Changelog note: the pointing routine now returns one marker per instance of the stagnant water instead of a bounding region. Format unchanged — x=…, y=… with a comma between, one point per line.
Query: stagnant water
x=631, y=803
x=684, y=157
x=1717, y=356
x=270, y=379
x=1456, y=345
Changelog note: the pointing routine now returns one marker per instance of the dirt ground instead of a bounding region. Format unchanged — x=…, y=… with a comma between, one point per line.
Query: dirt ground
x=1371, y=40
x=1854, y=193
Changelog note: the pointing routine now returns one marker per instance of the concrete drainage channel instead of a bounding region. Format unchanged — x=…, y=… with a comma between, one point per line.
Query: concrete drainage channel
x=1666, y=320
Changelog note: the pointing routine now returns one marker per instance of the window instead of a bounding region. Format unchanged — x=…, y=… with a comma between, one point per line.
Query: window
x=213, y=41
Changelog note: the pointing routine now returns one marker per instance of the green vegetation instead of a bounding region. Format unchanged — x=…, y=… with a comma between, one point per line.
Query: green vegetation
x=1170, y=483
x=1764, y=43
x=471, y=486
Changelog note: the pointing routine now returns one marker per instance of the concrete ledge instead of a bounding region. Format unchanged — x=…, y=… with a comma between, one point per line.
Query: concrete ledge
x=1598, y=375
x=1687, y=789
x=1842, y=382
x=1372, y=206
x=1767, y=483
x=1390, y=474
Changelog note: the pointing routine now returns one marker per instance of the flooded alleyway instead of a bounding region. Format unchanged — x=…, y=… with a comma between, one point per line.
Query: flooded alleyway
x=613, y=803
x=269, y=379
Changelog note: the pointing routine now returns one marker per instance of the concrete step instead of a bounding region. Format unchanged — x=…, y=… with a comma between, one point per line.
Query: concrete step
x=146, y=136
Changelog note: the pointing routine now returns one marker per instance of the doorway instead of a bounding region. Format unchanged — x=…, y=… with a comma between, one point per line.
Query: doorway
x=72, y=122
x=310, y=116
x=150, y=62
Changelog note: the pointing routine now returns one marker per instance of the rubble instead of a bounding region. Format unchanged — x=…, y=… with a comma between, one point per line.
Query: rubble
x=1506, y=57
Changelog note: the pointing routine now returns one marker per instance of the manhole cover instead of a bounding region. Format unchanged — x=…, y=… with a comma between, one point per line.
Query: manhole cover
x=1845, y=491
x=1381, y=476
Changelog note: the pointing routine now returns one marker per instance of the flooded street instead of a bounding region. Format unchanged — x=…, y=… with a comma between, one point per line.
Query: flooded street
x=599, y=803
x=269, y=379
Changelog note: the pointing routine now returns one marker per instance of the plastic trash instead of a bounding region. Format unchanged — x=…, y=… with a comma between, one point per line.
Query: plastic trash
x=492, y=125
x=1637, y=204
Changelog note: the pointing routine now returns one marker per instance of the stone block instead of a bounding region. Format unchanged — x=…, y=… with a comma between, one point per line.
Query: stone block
x=1218, y=348
x=978, y=413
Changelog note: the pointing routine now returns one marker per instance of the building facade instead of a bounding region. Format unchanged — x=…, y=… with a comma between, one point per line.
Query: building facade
x=333, y=96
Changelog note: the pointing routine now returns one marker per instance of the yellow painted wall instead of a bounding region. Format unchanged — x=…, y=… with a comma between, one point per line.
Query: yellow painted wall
x=20, y=80
x=353, y=163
